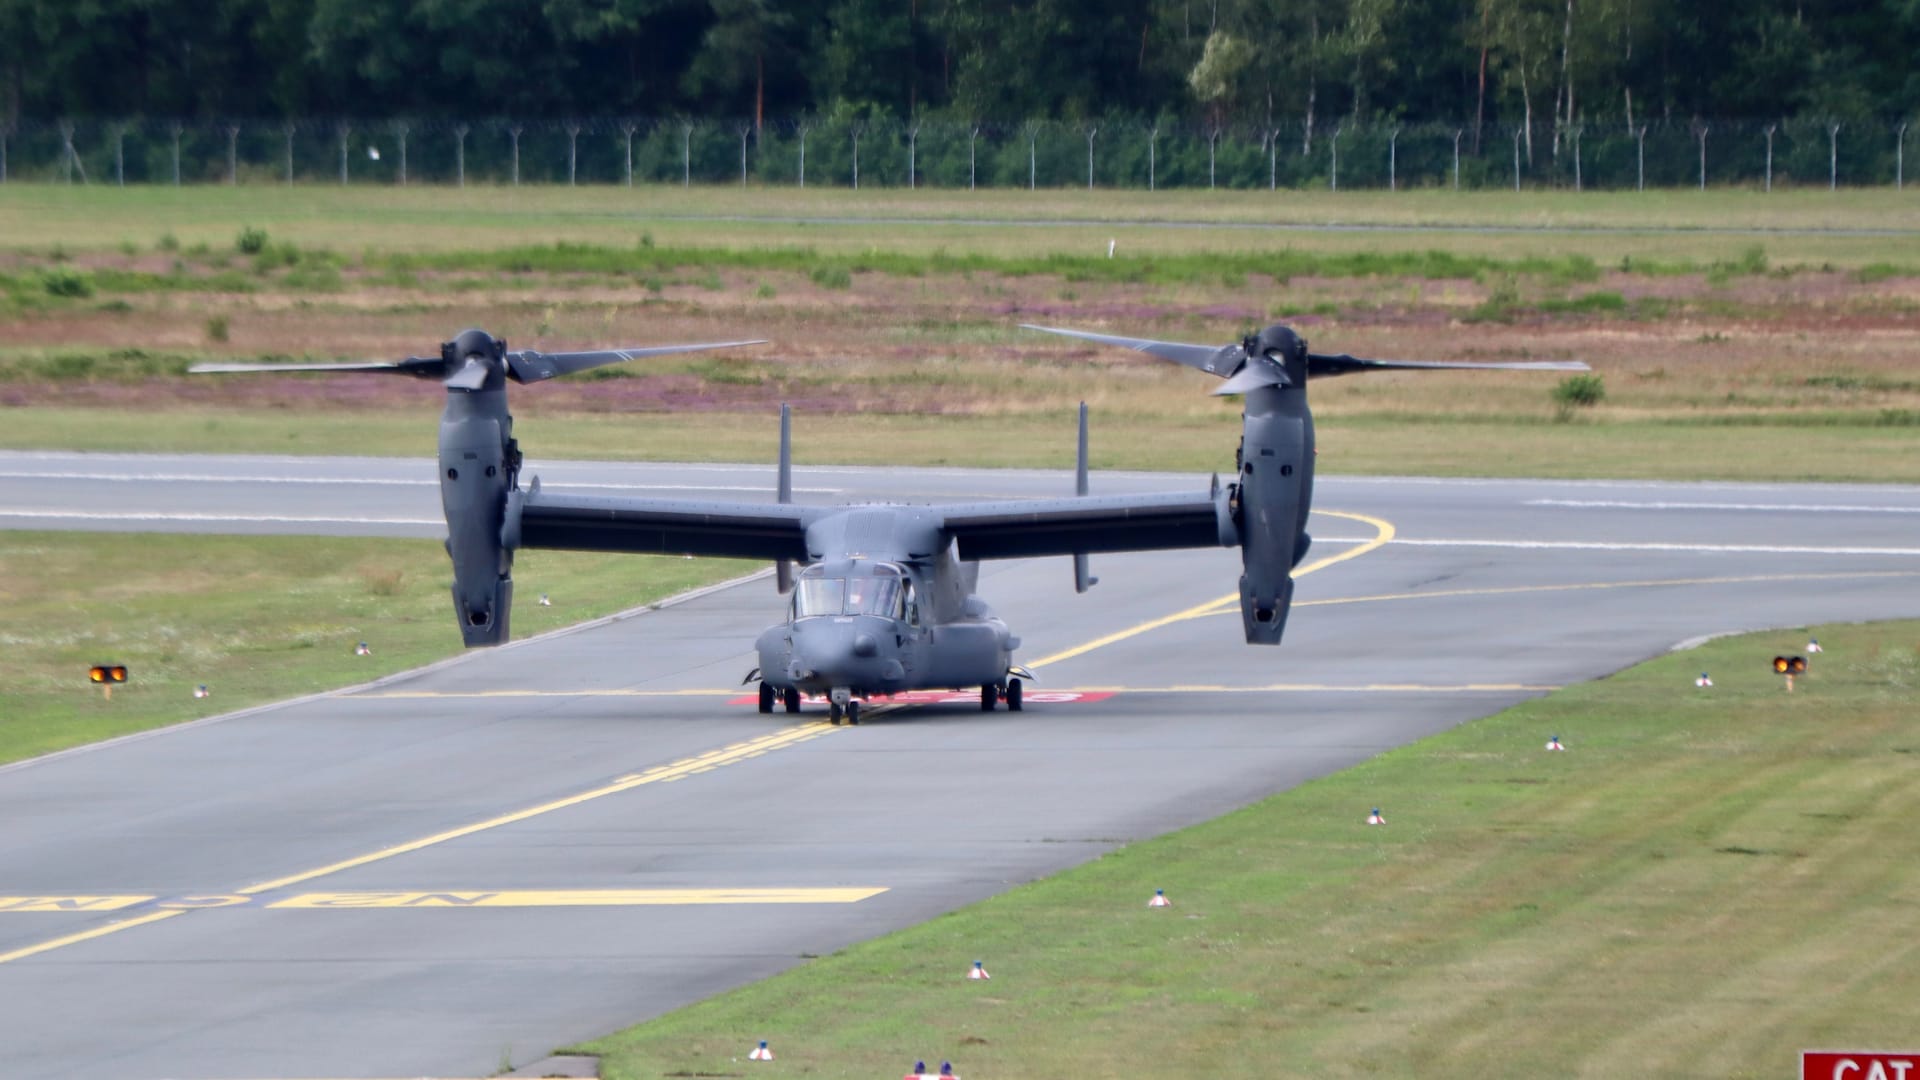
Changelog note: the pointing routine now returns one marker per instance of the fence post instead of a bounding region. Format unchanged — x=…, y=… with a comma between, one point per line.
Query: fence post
x=119, y=155
x=1273, y=159
x=973, y=135
x=913, y=156
x=1770, y=130
x=400, y=133
x=745, y=130
x=1333, y=141
x=1033, y=136
x=513, y=133
x=1517, y=133
x=1574, y=134
x=1833, y=157
x=233, y=154
x=4, y=132
x=686, y=153
x=1640, y=158
x=803, y=155
x=1900, y=157
x=1393, y=160
x=1153, y=137
x=1701, y=130
x=856, y=155
x=460, y=155
x=1213, y=139
x=69, y=158
x=342, y=131
x=286, y=137
x=1092, y=130
x=175, y=129
x=628, y=129
x=573, y=152
x=1457, y=132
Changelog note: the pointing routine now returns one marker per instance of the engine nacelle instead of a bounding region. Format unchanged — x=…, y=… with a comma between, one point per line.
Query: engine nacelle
x=476, y=472
x=1270, y=503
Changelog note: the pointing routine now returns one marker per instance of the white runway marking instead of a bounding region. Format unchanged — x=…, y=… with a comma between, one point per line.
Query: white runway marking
x=1771, y=508
x=367, y=481
x=277, y=519
x=1705, y=549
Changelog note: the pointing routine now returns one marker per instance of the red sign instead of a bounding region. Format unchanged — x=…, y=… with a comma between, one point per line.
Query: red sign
x=1859, y=1064
x=948, y=697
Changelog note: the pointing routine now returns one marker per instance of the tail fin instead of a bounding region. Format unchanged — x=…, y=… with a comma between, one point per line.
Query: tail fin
x=1083, y=579
x=783, y=568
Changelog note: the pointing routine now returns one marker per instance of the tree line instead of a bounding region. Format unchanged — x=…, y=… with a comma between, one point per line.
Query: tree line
x=1543, y=68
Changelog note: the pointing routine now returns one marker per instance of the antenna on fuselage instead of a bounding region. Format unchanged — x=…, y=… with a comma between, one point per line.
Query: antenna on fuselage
x=1082, y=578
x=783, y=568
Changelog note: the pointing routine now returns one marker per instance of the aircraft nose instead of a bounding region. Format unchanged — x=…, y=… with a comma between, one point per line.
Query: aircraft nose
x=865, y=646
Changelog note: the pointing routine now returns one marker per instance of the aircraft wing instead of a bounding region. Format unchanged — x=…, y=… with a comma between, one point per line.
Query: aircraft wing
x=538, y=519
x=1083, y=524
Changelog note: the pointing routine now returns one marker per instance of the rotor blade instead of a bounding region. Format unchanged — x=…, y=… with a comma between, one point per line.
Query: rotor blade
x=1221, y=360
x=530, y=366
x=471, y=376
x=420, y=367
x=1253, y=377
x=1322, y=365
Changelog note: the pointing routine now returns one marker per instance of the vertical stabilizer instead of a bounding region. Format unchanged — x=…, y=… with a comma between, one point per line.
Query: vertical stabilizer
x=783, y=568
x=1083, y=579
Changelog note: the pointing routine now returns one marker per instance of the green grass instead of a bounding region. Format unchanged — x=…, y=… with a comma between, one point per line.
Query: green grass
x=256, y=619
x=1789, y=445
x=437, y=219
x=1703, y=885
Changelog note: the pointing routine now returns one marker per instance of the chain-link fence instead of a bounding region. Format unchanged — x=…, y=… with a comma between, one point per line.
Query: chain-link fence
x=947, y=154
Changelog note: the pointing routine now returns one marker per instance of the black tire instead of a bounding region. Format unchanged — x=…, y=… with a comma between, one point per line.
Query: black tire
x=793, y=699
x=766, y=698
x=989, y=696
x=1013, y=695
x=853, y=712
x=833, y=713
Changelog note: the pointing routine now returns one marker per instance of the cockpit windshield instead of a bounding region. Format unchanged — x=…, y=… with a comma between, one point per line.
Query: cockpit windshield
x=818, y=596
x=877, y=595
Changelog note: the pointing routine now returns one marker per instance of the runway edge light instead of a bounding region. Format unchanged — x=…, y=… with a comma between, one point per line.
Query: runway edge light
x=979, y=970
x=1159, y=899
x=1553, y=743
x=1375, y=817
x=1703, y=680
x=761, y=1053
x=105, y=676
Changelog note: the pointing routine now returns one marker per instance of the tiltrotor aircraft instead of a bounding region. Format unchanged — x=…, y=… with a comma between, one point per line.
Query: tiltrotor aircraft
x=884, y=601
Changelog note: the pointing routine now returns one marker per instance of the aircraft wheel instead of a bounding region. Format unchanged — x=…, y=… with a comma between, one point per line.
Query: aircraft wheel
x=853, y=712
x=833, y=713
x=1013, y=695
x=793, y=699
x=766, y=698
x=988, y=696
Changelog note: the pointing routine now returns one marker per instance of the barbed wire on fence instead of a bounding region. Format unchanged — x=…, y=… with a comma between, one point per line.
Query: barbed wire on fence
x=1116, y=152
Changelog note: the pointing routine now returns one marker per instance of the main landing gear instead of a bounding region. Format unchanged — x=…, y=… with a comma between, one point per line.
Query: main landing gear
x=851, y=712
x=789, y=697
x=991, y=694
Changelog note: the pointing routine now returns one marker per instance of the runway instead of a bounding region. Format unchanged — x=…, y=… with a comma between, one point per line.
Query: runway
x=533, y=845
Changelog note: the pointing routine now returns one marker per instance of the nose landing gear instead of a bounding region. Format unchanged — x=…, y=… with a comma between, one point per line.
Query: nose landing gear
x=841, y=703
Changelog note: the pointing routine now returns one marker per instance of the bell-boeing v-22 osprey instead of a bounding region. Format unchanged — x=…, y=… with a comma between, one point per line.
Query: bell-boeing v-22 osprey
x=884, y=602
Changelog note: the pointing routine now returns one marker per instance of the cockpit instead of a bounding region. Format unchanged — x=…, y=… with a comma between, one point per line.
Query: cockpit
x=859, y=588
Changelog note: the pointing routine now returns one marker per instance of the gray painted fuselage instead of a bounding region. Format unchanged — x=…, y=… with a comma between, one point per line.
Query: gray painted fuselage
x=931, y=632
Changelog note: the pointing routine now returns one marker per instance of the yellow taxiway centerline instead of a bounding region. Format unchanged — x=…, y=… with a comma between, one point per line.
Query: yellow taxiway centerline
x=1384, y=532
x=676, y=771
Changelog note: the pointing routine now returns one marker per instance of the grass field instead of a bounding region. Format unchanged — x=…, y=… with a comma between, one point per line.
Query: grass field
x=1703, y=885
x=1758, y=365
x=256, y=619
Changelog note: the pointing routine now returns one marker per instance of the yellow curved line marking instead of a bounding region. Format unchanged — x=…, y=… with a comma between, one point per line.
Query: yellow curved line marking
x=85, y=935
x=1383, y=532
